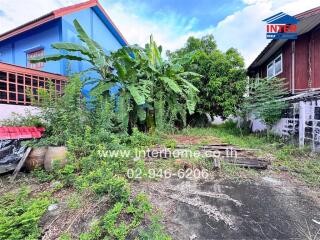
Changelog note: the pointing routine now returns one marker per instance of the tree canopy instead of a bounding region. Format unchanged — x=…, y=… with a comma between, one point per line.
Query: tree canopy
x=223, y=82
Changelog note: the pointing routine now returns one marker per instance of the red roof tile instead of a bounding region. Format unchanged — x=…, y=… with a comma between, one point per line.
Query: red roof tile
x=20, y=132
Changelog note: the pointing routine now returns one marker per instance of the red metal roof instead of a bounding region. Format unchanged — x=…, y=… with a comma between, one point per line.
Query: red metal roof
x=20, y=132
x=57, y=14
x=23, y=70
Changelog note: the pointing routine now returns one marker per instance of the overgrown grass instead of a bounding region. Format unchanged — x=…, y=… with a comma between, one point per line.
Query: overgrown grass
x=20, y=214
x=300, y=162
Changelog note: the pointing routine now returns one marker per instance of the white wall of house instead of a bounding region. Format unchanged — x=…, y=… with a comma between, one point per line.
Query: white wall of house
x=8, y=111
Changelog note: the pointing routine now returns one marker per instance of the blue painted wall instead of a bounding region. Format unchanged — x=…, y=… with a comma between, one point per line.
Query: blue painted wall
x=94, y=27
x=14, y=50
x=98, y=30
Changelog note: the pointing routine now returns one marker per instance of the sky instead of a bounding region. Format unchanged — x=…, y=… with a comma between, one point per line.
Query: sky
x=233, y=23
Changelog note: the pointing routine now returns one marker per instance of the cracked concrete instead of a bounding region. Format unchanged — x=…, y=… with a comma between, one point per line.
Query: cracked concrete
x=226, y=209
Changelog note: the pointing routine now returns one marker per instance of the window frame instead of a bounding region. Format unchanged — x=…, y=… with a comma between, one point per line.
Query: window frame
x=36, y=66
x=273, y=64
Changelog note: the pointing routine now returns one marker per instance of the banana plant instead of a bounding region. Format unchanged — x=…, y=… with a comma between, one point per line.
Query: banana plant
x=135, y=86
x=90, y=52
x=172, y=92
x=155, y=89
x=152, y=89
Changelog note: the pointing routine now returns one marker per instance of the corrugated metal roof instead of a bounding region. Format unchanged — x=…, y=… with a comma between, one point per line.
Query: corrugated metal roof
x=20, y=132
x=308, y=21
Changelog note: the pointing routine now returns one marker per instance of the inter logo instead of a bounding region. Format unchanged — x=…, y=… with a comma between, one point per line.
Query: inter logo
x=281, y=26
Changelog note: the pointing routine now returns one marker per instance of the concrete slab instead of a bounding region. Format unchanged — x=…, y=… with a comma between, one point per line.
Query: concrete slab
x=226, y=209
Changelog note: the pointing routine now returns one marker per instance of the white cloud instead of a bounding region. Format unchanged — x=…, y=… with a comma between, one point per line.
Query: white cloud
x=243, y=29
x=168, y=29
x=17, y=12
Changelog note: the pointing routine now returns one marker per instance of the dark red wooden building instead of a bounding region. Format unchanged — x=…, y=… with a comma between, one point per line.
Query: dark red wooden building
x=298, y=61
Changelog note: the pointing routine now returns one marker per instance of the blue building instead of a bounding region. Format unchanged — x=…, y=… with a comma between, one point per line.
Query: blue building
x=34, y=38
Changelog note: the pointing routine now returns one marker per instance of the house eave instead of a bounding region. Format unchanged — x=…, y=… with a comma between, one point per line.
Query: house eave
x=308, y=21
x=60, y=13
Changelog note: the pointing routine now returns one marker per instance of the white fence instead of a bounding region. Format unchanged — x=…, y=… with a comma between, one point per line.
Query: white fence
x=302, y=122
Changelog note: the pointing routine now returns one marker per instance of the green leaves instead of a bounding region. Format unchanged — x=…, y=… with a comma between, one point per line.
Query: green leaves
x=56, y=57
x=218, y=78
x=83, y=36
x=265, y=100
x=142, y=74
x=171, y=84
x=72, y=47
x=136, y=94
x=20, y=214
x=154, y=53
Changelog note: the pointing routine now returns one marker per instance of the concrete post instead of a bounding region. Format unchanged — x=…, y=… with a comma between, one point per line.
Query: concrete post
x=302, y=122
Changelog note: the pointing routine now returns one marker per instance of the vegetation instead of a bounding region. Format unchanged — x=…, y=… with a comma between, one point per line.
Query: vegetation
x=153, y=92
x=265, y=100
x=20, y=214
x=284, y=156
x=155, y=95
x=86, y=132
x=223, y=82
x=115, y=223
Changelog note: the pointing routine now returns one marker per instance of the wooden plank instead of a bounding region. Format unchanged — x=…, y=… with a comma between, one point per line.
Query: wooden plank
x=21, y=163
x=200, y=146
x=257, y=163
x=228, y=147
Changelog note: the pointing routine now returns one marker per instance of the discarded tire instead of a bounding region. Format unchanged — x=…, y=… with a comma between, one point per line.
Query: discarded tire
x=36, y=158
x=55, y=156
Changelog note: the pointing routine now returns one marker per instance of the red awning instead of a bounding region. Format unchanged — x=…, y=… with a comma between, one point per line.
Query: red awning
x=20, y=132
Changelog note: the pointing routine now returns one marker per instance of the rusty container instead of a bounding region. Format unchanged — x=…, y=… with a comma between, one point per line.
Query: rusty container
x=36, y=158
x=55, y=156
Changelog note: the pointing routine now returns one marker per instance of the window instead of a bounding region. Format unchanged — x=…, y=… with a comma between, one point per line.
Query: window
x=274, y=68
x=37, y=53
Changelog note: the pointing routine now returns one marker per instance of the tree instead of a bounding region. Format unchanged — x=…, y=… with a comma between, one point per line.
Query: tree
x=223, y=82
x=159, y=88
x=149, y=85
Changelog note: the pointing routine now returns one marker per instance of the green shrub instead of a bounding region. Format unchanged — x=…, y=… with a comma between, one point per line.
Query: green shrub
x=42, y=175
x=66, y=174
x=120, y=220
x=154, y=231
x=139, y=139
x=102, y=181
x=20, y=214
x=95, y=232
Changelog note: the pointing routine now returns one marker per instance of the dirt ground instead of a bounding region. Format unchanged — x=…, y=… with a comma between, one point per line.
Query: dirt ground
x=267, y=205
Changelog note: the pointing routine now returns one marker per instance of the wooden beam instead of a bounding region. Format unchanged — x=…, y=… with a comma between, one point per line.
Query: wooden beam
x=20, y=164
